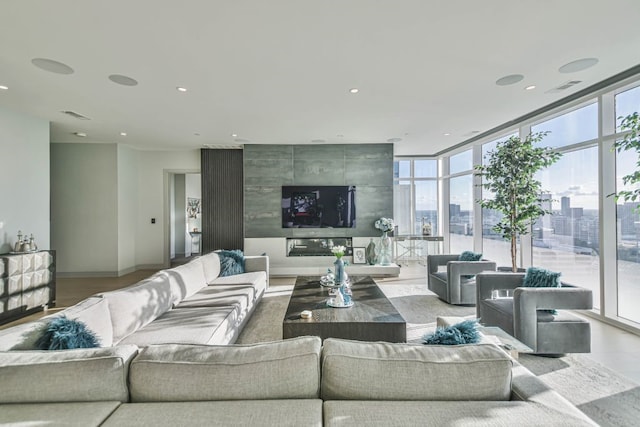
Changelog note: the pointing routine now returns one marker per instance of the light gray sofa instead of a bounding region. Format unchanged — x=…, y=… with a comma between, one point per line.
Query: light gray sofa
x=527, y=317
x=190, y=304
x=295, y=382
x=447, y=277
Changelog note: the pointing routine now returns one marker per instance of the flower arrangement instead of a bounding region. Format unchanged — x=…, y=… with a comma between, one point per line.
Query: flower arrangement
x=385, y=224
x=338, y=251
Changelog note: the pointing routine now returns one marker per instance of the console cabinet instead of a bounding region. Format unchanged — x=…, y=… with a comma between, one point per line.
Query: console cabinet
x=27, y=283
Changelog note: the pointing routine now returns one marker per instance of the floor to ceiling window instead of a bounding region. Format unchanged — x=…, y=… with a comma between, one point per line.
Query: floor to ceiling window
x=577, y=238
x=415, y=195
x=627, y=220
x=568, y=240
x=461, y=202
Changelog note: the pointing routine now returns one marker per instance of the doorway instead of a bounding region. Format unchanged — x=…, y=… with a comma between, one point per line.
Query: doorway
x=184, y=217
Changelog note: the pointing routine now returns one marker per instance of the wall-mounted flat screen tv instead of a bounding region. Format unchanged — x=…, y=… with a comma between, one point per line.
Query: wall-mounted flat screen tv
x=323, y=206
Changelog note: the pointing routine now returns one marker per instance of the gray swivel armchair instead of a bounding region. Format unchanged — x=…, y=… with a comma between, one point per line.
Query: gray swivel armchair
x=527, y=316
x=453, y=280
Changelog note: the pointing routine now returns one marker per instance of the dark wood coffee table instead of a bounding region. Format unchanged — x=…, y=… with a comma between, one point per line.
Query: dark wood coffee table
x=372, y=317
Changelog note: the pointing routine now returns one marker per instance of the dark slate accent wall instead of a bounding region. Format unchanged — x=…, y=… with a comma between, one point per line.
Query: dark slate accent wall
x=222, y=207
x=268, y=167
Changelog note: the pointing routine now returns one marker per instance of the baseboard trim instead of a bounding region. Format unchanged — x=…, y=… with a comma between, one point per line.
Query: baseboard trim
x=72, y=274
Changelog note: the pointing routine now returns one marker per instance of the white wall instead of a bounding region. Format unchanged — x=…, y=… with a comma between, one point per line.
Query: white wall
x=127, y=208
x=153, y=170
x=84, y=207
x=24, y=173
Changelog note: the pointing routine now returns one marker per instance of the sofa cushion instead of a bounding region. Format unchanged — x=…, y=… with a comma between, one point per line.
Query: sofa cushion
x=434, y=413
x=83, y=375
x=257, y=279
x=93, y=312
x=23, y=336
x=187, y=279
x=288, y=369
x=211, y=266
x=217, y=296
x=357, y=370
x=133, y=307
x=197, y=325
x=80, y=414
x=282, y=412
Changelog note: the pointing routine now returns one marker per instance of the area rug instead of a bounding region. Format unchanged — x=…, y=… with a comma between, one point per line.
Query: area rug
x=603, y=395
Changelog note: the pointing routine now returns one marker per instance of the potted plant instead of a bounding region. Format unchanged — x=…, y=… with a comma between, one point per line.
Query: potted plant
x=631, y=141
x=509, y=176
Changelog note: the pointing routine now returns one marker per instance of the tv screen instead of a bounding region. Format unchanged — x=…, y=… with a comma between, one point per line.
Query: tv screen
x=327, y=206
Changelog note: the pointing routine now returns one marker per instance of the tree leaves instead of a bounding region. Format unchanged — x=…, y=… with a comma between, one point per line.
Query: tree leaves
x=509, y=174
x=631, y=141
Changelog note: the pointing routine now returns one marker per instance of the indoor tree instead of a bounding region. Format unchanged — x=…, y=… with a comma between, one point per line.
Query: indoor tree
x=509, y=176
x=631, y=141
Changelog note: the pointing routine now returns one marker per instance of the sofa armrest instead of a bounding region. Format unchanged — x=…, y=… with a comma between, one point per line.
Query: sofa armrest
x=435, y=261
x=525, y=386
x=257, y=263
x=488, y=281
x=468, y=268
x=527, y=301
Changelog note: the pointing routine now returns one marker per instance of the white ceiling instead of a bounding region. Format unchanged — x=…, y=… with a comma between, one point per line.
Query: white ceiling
x=279, y=71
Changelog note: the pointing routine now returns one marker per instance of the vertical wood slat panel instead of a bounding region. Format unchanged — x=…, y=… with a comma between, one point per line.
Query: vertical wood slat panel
x=222, y=199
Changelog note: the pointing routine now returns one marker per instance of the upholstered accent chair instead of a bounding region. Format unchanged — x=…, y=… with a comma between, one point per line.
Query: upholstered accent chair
x=538, y=317
x=453, y=280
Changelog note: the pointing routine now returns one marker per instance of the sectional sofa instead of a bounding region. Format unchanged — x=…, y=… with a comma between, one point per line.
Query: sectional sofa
x=168, y=358
x=295, y=382
x=190, y=304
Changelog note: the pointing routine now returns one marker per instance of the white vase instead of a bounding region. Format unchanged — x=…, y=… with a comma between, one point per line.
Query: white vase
x=385, y=249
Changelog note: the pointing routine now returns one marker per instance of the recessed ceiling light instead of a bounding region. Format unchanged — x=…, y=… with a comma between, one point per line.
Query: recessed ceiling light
x=354, y=90
x=181, y=89
x=234, y=135
x=578, y=65
x=509, y=80
x=4, y=87
x=80, y=134
x=530, y=87
x=123, y=80
x=52, y=66
x=123, y=134
x=394, y=139
x=446, y=134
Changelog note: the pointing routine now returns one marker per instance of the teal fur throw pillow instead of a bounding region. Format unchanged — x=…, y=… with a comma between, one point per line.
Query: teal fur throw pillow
x=461, y=333
x=231, y=262
x=469, y=256
x=541, y=278
x=63, y=333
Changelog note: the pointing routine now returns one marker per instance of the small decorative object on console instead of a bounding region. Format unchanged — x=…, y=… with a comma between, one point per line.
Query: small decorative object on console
x=385, y=225
x=24, y=244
